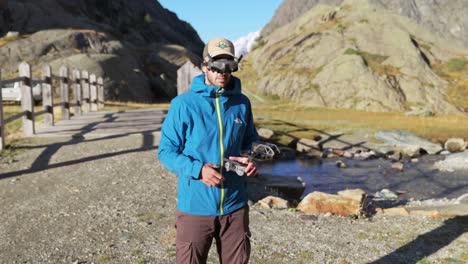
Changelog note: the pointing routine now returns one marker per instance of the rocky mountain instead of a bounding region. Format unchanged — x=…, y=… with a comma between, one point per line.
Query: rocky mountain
x=137, y=45
x=445, y=17
x=359, y=55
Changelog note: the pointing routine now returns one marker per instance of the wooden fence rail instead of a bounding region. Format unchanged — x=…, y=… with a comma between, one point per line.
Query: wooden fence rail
x=88, y=91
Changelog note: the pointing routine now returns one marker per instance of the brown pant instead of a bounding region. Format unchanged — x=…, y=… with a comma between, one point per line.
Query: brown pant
x=195, y=235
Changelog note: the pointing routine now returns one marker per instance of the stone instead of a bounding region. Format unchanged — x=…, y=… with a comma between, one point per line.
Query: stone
x=353, y=194
x=396, y=211
x=453, y=162
x=408, y=142
x=386, y=194
x=429, y=213
x=272, y=202
x=398, y=166
x=323, y=203
x=341, y=164
x=455, y=145
x=394, y=155
x=12, y=34
x=307, y=145
x=463, y=199
x=265, y=133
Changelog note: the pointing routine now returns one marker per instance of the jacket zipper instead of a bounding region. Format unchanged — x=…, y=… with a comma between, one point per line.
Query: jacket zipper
x=221, y=146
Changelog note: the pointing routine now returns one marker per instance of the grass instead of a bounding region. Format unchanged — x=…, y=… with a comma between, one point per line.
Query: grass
x=292, y=120
x=375, y=62
x=455, y=72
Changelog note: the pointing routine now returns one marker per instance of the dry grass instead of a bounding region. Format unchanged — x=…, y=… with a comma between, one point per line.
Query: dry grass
x=300, y=121
x=455, y=72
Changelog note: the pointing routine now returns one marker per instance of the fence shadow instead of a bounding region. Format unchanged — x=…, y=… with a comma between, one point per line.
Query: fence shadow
x=327, y=137
x=42, y=162
x=428, y=243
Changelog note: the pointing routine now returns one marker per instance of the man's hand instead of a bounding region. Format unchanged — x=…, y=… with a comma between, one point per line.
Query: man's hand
x=251, y=169
x=210, y=175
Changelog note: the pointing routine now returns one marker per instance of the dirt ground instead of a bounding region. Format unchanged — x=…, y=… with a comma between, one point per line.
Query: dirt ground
x=109, y=200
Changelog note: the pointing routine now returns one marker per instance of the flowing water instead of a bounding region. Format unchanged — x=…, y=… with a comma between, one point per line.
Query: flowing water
x=419, y=180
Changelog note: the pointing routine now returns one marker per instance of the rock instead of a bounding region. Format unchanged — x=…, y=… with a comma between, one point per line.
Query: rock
x=344, y=204
x=455, y=145
x=307, y=145
x=348, y=154
x=429, y=213
x=12, y=34
x=338, y=152
x=341, y=164
x=453, y=162
x=463, y=199
x=365, y=155
x=265, y=133
x=407, y=142
x=396, y=211
x=386, y=194
x=398, y=166
x=272, y=202
x=420, y=112
x=394, y=155
x=353, y=194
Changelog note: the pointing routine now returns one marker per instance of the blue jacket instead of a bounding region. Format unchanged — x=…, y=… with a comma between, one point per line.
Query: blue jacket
x=205, y=125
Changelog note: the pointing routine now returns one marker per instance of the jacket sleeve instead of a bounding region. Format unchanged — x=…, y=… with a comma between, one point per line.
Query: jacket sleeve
x=251, y=134
x=171, y=146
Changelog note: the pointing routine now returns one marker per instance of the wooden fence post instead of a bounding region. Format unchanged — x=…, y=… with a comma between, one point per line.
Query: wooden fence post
x=64, y=80
x=85, y=87
x=2, y=126
x=77, y=91
x=47, y=96
x=27, y=99
x=93, y=91
x=100, y=94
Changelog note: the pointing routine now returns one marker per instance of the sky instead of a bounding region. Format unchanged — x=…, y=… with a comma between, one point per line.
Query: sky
x=230, y=19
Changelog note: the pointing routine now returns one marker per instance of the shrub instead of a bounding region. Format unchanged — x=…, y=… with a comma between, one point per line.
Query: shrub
x=456, y=65
x=351, y=51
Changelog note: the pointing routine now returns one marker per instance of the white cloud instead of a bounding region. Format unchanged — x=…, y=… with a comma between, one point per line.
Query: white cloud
x=244, y=44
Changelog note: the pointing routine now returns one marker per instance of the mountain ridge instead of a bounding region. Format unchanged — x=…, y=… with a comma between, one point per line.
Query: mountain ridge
x=358, y=56
x=137, y=46
x=445, y=17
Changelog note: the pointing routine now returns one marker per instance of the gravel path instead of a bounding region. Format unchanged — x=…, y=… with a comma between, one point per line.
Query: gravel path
x=108, y=200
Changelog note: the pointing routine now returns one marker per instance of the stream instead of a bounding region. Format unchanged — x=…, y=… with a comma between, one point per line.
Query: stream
x=418, y=180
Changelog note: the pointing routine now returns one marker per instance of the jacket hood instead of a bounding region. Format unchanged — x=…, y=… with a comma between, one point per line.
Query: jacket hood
x=199, y=86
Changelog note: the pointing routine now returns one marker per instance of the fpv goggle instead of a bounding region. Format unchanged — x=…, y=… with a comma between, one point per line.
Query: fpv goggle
x=223, y=65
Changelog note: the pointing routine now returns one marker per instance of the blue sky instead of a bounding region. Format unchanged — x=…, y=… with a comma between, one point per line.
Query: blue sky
x=230, y=19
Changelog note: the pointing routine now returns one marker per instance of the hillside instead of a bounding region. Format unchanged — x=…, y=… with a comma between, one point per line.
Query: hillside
x=447, y=18
x=359, y=56
x=137, y=45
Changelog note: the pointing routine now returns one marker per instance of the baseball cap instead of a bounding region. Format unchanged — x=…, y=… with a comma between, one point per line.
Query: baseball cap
x=218, y=46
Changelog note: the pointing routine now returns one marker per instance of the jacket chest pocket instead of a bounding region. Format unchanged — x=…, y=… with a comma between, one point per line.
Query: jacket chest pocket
x=236, y=131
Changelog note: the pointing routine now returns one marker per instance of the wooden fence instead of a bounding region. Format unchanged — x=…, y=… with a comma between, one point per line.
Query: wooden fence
x=88, y=91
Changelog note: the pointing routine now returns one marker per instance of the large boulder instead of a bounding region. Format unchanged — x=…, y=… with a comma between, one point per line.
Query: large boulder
x=345, y=203
x=453, y=162
x=407, y=141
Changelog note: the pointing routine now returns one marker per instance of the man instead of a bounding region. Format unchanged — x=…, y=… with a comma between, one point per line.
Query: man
x=209, y=123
